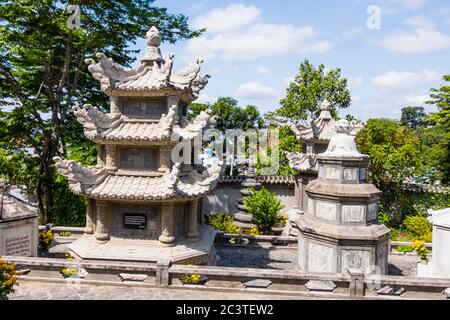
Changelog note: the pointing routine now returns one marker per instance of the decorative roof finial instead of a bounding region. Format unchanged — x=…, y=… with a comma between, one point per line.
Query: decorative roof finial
x=325, y=108
x=153, y=52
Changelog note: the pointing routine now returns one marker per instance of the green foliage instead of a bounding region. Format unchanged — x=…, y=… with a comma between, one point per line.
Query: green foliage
x=229, y=114
x=383, y=217
x=412, y=116
x=418, y=228
x=393, y=149
x=43, y=74
x=223, y=222
x=264, y=206
x=310, y=88
x=440, y=150
x=405, y=248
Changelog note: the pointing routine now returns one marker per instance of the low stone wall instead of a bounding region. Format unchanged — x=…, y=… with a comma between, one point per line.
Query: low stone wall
x=351, y=285
x=224, y=197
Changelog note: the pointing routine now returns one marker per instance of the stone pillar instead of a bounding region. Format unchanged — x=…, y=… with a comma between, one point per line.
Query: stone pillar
x=103, y=227
x=167, y=236
x=165, y=161
x=111, y=157
x=114, y=105
x=192, y=219
x=100, y=156
x=90, y=216
x=297, y=193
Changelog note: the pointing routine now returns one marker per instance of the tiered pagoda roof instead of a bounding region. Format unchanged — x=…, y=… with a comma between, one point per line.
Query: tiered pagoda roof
x=153, y=76
x=318, y=131
x=98, y=184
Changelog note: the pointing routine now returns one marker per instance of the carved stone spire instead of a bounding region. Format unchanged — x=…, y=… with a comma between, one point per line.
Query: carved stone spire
x=153, y=52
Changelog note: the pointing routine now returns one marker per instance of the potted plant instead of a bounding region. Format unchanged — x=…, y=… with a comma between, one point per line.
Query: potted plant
x=264, y=207
x=45, y=240
x=7, y=278
x=193, y=279
x=421, y=250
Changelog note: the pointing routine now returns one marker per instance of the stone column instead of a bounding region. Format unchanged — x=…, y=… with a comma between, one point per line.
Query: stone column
x=167, y=236
x=111, y=157
x=192, y=219
x=297, y=193
x=114, y=105
x=90, y=216
x=165, y=160
x=103, y=228
x=100, y=156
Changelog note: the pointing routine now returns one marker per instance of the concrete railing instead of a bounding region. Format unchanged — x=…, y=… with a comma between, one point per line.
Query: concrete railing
x=352, y=284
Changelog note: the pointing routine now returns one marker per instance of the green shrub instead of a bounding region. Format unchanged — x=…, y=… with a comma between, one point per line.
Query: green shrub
x=405, y=248
x=264, y=206
x=223, y=222
x=418, y=228
x=383, y=217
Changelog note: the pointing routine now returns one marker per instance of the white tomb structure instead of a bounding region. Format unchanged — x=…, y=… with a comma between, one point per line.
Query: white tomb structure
x=339, y=230
x=439, y=266
x=18, y=226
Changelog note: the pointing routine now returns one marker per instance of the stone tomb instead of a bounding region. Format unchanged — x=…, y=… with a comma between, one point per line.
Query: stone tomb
x=18, y=227
x=339, y=230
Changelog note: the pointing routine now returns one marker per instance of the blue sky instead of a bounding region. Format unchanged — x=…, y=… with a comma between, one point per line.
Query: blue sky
x=253, y=48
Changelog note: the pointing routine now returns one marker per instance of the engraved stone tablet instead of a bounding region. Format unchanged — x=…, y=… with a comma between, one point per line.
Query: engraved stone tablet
x=152, y=109
x=332, y=173
x=17, y=241
x=362, y=174
x=372, y=211
x=138, y=159
x=352, y=213
x=134, y=221
x=326, y=211
x=351, y=174
x=355, y=259
x=320, y=258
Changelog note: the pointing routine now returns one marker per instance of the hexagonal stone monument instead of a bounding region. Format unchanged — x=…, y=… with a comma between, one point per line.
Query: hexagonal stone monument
x=339, y=229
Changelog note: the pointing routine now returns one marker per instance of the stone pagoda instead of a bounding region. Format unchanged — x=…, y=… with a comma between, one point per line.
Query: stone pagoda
x=314, y=137
x=339, y=229
x=142, y=206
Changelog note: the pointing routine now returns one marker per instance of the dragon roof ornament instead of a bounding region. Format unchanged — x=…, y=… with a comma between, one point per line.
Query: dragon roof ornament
x=152, y=74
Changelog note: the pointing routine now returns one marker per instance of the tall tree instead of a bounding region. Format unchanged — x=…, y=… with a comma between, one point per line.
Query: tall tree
x=42, y=75
x=441, y=120
x=413, y=116
x=310, y=88
x=229, y=114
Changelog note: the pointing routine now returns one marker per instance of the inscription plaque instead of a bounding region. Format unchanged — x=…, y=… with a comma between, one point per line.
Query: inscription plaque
x=134, y=221
x=326, y=211
x=144, y=108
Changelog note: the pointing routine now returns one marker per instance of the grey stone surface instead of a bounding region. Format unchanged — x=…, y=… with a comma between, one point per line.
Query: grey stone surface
x=257, y=283
x=317, y=285
x=31, y=290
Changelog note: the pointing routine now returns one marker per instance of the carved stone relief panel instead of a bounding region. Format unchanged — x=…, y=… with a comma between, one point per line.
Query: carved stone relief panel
x=326, y=211
x=144, y=108
x=352, y=213
x=320, y=258
x=357, y=259
x=138, y=159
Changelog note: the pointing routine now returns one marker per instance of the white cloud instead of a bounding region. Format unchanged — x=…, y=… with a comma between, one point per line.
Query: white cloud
x=236, y=32
x=234, y=16
x=355, y=82
x=447, y=21
x=255, y=90
x=418, y=41
x=409, y=4
x=420, y=22
x=262, y=70
x=394, y=80
x=356, y=98
x=416, y=99
x=204, y=98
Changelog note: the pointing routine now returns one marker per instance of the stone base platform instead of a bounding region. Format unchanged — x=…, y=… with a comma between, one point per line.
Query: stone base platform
x=184, y=252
